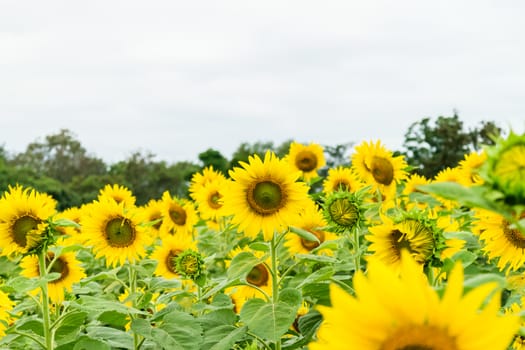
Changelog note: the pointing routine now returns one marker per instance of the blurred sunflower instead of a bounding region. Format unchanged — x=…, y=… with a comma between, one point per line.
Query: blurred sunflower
x=307, y=159
x=500, y=240
x=115, y=232
x=376, y=166
x=264, y=196
x=204, y=177
x=118, y=193
x=6, y=304
x=404, y=312
x=450, y=175
x=312, y=220
x=470, y=167
x=167, y=252
x=341, y=179
x=23, y=215
x=66, y=265
x=390, y=238
x=179, y=216
x=516, y=308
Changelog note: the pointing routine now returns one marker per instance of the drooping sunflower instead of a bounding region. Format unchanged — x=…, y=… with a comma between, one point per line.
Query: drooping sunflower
x=264, y=196
x=115, y=232
x=341, y=179
x=402, y=312
x=258, y=280
x=66, y=265
x=167, y=251
x=307, y=159
x=209, y=199
x=390, y=238
x=179, y=216
x=501, y=241
x=375, y=165
x=313, y=221
x=23, y=215
x=506, y=167
x=118, y=193
x=6, y=304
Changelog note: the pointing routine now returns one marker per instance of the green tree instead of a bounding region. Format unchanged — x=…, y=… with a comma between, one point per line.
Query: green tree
x=215, y=159
x=433, y=145
x=259, y=148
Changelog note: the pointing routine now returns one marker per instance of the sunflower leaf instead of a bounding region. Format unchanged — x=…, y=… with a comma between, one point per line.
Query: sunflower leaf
x=304, y=234
x=241, y=264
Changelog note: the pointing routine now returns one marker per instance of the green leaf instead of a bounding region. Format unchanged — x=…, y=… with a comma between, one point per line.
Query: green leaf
x=111, y=336
x=87, y=343
x=113, y=319
x=270, y=320
x=158, y=336
x=304, y=234
x=65, y=223
x=184, y=328
x=70, y=323
x=241, y=264
x=323, y=274
x=223, y=338
x=480, y=279
x=97, y=304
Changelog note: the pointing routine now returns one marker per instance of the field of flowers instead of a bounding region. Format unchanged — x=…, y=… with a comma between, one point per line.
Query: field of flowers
x=275, y=256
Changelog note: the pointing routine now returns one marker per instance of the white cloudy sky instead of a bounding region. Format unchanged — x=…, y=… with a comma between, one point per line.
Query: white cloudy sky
x=177, y=77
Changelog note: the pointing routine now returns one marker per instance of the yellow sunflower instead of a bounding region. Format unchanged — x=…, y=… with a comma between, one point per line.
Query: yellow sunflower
x=518, y=343
x=152, y=213
x=258, y=281
x=410, y=187
x=179, y=216
x=500, y=240
x=204, y=177
x=118, y=193
x=376, y=166
x=23, y=215
x=115, y=232
x=6, y=304
x=307, y=159
x=312, y=220
x=390, y=238
x=209, y=199
x=341, y=179
x=401, y=312
x=470, y=167
x=66, y=265
x=167, y=251
x=264, y=196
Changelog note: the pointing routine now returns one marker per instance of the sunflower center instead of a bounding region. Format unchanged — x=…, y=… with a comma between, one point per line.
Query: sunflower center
x=265, y=197
x=214, y=200
x=170, y=260
x=310, y=245
x=21, y=227
x=258, y=276
x=417, y=239
x=513, y=235
x=59, y=266
x=419, y=337
x=341, y=186
x=343, y=212
x=178, y=215
x=382, y=170
x=306, y=161
x=120, y=232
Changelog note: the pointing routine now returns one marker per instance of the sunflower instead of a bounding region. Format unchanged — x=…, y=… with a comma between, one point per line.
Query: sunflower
x=506, y=167
x=470, y=167
x=307, y=159
x=167, y=251
x=179, y=216
x=388, y=239
x=312, y=220
x=66, y=265
x=344, y=210
x=500, y=240
x=401, y=312
x=258, y=281
x=118, y=193
x=376, y=166
x=208, y=198
x=115, y=232
x=518, y=343
x=204, y=177
x=341, y=179
x=410, y=188
x=6, y=304
x=450, y=175
x=152, y=213
x=264, y=196
x=23, y=215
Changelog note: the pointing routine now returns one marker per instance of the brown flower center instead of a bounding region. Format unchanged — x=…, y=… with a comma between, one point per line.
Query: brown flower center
x=513, y=235
x=306, y=161
x=258, y=276
x=170, y=260
x=120, y=232
x=214, y=200
x=59, y=266
x=419, y=337
x=21, y=227
x=178, y=214
x=310, y=245
x=382, y=170
x=265, y=197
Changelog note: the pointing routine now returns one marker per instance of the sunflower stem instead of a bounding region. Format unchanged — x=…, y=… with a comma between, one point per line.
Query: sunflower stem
x=357, y=248
x=275, y=278
x=132, y=290
x=46, y=319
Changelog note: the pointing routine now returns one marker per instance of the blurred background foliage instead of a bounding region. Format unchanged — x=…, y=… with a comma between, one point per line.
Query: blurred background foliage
x=61, y=167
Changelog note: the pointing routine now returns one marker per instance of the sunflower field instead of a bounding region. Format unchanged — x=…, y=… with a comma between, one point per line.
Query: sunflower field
x=276, y=256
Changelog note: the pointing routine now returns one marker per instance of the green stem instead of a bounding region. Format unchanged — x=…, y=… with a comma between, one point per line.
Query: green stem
x=132, y=290
x=48, y=332
x=357, y=248
x=30, y=336
x=275, y=278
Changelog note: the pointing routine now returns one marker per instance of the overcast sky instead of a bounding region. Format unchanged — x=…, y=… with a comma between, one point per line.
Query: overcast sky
x=177, y=77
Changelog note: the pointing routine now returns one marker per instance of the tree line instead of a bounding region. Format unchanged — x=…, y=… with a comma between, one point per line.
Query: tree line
x=60, y=166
